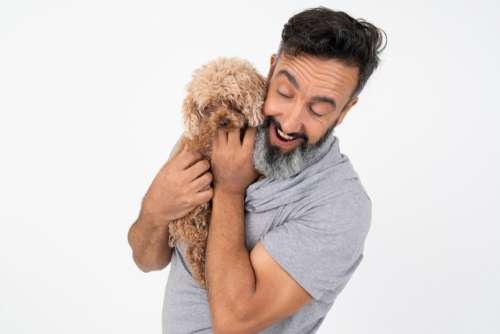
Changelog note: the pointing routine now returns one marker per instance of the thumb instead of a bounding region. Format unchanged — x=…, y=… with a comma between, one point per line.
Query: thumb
x=249, y=139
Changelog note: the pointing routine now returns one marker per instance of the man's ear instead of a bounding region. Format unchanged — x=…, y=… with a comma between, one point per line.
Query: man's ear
x=273, y=59
x=347, y=107
x=272, y=66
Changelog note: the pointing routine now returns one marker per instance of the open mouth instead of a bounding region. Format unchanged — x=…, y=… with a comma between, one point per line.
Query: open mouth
x=281, y=138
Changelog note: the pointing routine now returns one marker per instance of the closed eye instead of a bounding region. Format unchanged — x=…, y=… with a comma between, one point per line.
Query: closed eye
x=315, y=113
x=286, y=96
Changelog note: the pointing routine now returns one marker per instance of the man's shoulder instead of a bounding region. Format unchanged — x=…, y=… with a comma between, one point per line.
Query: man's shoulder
x=339, y=179
x=338, y=197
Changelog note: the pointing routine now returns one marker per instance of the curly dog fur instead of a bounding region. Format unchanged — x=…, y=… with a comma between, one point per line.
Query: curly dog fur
x=224, y=93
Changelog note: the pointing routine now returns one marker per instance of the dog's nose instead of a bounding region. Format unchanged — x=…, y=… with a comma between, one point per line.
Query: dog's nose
x=224, y=122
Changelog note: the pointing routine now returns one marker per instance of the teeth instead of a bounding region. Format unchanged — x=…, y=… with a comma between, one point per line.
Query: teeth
x=284, y=135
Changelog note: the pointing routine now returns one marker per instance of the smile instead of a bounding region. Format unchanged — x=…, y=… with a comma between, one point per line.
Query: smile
x=283, y=136
x=281, y=139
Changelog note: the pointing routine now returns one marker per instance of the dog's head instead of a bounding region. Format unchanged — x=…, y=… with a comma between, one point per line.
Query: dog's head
x=224, y=93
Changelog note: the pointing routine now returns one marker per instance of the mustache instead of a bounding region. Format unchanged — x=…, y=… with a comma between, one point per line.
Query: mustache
x=271, y=119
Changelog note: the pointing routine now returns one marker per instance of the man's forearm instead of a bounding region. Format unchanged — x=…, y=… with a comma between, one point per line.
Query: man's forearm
x=149, y=243
x=230, y=275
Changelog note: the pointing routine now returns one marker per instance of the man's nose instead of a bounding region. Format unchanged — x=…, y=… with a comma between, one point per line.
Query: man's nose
x=291, y=120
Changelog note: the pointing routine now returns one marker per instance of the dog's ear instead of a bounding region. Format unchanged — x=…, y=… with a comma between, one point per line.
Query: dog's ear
x=191, y=114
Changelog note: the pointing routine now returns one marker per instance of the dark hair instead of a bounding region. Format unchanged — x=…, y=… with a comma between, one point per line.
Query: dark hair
x=326, y=33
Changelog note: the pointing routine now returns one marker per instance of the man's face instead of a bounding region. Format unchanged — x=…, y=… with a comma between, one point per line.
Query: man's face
x=306, y=98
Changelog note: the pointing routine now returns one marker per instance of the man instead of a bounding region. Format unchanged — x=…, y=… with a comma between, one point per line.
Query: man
x=280, y=247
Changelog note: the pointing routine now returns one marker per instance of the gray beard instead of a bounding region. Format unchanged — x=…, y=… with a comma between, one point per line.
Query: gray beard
x=271, y=162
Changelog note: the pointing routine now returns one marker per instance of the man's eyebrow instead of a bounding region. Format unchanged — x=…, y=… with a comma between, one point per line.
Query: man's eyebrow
x=325, y=99
x=290, y=77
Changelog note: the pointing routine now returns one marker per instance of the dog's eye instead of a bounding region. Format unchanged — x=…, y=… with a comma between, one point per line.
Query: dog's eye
x=234, y=108
x=208, y=108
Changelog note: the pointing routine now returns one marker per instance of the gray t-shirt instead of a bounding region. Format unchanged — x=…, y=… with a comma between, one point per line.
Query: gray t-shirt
x=314, y=224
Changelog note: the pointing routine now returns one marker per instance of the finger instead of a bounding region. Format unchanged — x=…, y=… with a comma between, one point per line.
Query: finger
x=188, y=157
x=203, y=196
x=215, y=140
x=222, y=137
x=233, y=137
x=202, y=182
x=197, y=169
x=249, y=139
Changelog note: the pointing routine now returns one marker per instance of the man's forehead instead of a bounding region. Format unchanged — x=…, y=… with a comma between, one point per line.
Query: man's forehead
x=332, y=73
x=314, y=63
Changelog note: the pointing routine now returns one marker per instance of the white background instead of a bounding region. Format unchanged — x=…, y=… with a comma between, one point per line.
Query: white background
x=90, y=95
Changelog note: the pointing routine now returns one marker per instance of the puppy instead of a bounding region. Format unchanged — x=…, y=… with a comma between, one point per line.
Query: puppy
x=224, y=93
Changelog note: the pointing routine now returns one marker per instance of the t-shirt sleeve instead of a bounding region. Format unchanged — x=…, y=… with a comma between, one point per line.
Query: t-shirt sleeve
x=322, y=247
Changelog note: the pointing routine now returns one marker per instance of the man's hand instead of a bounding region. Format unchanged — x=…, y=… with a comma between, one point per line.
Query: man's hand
x=182, y=184
x=232, y=163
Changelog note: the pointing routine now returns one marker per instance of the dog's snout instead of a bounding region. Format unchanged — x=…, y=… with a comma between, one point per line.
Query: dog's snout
x=224, y=122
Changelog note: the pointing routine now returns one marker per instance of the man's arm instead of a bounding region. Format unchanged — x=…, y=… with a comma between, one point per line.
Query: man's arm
x=149, y=243
x=246, y=292
x=229, y=272
x=182, y=184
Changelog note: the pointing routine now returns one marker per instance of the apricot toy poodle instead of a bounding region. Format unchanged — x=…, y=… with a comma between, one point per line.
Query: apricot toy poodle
x=224, y=93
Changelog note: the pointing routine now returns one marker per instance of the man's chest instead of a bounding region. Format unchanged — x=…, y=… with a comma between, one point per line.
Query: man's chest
x=259, y=223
